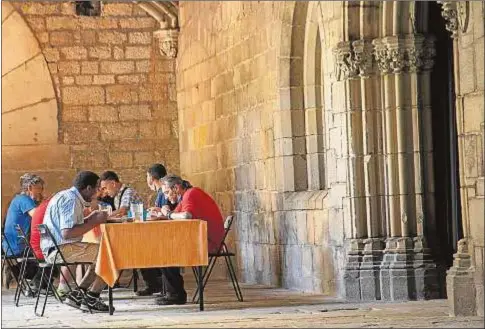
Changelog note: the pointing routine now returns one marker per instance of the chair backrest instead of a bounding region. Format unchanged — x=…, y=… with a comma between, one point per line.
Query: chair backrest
x=23, y=236
x=45, y=234
x=7, y=248
x=227, y=227
x=228, y=223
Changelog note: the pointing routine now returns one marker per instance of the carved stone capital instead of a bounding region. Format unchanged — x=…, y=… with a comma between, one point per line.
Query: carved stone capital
x=353, y=59
x=456, y=14
x=168, y=42
x=363, y=57
x=411, y=53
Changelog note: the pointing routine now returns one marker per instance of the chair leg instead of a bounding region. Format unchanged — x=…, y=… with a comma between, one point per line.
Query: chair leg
x=135, y=280
x=49, y=283
x=205, y=277
x=232, y=274
x=38, y=295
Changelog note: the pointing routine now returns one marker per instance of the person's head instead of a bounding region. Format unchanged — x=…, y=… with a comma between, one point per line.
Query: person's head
x=86, y=183
x=154, y=174
x=173, y=187
x=32, y=185
x=109, y=183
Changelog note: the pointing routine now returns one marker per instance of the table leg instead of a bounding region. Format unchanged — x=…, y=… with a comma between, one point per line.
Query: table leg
x=110, y=300
x=201, y=288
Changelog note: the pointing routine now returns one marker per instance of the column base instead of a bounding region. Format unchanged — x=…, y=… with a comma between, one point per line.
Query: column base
x=407, y=271
x=370, y=287
x=352, y=271
x=460, y=285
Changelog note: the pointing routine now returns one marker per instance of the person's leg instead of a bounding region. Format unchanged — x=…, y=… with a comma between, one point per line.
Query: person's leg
x=153, y=281
x=174, y=283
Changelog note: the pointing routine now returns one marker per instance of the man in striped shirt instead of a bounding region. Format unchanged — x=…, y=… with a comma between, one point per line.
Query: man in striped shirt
x=123, y=195
x=65, y=219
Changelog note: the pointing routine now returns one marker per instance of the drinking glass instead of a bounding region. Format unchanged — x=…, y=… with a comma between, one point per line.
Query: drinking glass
x=105, y=207
x=137, y=211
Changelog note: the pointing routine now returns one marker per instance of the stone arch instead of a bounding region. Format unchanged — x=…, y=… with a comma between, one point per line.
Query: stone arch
x=299, y=122
x=31, y=118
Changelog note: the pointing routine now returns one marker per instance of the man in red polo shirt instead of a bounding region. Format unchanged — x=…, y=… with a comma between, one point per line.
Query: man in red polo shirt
x=193, y=203
x=37, y=219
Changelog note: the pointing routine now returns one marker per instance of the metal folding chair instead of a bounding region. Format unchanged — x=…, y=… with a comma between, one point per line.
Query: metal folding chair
x=40, y=262
x=12, y=260
x=222, y=251
x=45, y=234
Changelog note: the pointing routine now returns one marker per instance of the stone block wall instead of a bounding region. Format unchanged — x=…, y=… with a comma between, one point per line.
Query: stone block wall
x=114, y=95
x=235, y=139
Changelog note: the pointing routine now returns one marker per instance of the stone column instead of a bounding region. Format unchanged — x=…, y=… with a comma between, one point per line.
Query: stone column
x=371, y=140
x=402, y=57
x=347, y=70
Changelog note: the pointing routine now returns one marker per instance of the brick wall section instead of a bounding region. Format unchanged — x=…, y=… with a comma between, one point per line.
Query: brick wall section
x=116, y=94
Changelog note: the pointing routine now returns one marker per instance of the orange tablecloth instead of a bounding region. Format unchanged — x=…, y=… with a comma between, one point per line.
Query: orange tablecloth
x=151, y=244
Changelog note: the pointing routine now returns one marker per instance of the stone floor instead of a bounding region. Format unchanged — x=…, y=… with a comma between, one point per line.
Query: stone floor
x=262, y=307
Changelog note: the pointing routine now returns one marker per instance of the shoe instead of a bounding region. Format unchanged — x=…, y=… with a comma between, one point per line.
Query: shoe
x=171, y=300
x=96, y=305
x=62, y=294
x=74, y=298
x=147, y=292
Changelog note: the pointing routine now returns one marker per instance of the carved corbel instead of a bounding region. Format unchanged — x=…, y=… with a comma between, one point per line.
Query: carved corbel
x=456, y=14
x=168, y=42
x=166, y=14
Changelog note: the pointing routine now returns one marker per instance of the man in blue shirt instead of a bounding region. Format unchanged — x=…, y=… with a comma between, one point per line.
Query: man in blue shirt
x=153, y=276
x=20, y=211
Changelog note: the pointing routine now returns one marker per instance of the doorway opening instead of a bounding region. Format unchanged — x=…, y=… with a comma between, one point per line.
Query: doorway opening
x=448, y=219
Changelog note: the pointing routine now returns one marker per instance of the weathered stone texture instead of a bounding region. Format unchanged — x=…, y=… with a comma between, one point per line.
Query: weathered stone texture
x=102, y=105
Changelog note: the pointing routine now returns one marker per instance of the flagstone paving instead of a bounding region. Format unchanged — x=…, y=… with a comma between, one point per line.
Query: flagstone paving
x=262, y=307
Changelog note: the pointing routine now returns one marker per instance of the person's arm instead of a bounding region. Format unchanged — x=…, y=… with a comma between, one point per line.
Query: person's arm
x=91, y=221
x=184, y=209
x=120, y=212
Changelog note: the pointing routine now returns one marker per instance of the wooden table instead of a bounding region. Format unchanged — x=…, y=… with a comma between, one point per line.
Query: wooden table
x=167, y=243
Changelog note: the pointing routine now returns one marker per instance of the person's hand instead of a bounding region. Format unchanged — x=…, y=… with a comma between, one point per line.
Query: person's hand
x=154, y=209
x=165, y=210
x=98, y=216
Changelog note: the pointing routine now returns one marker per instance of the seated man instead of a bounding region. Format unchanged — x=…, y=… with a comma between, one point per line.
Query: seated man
x=123, y=195
x=194, y=203
x=153, y=276
x=20, y=211
x=64, y=218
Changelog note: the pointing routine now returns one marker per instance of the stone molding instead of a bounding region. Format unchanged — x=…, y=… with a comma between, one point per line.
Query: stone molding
x=353, y=59
x=166, y=13
x=456, y=14
x=410, y=53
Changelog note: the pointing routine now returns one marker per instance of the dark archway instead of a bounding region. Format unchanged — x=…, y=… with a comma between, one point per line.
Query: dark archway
x=445, y=150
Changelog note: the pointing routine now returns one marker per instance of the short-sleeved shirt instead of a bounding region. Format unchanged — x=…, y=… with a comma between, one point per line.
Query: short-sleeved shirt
x=37, y=219
x=202, y=206
x=125, y=197
x=64, y=211
x=17, y=213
